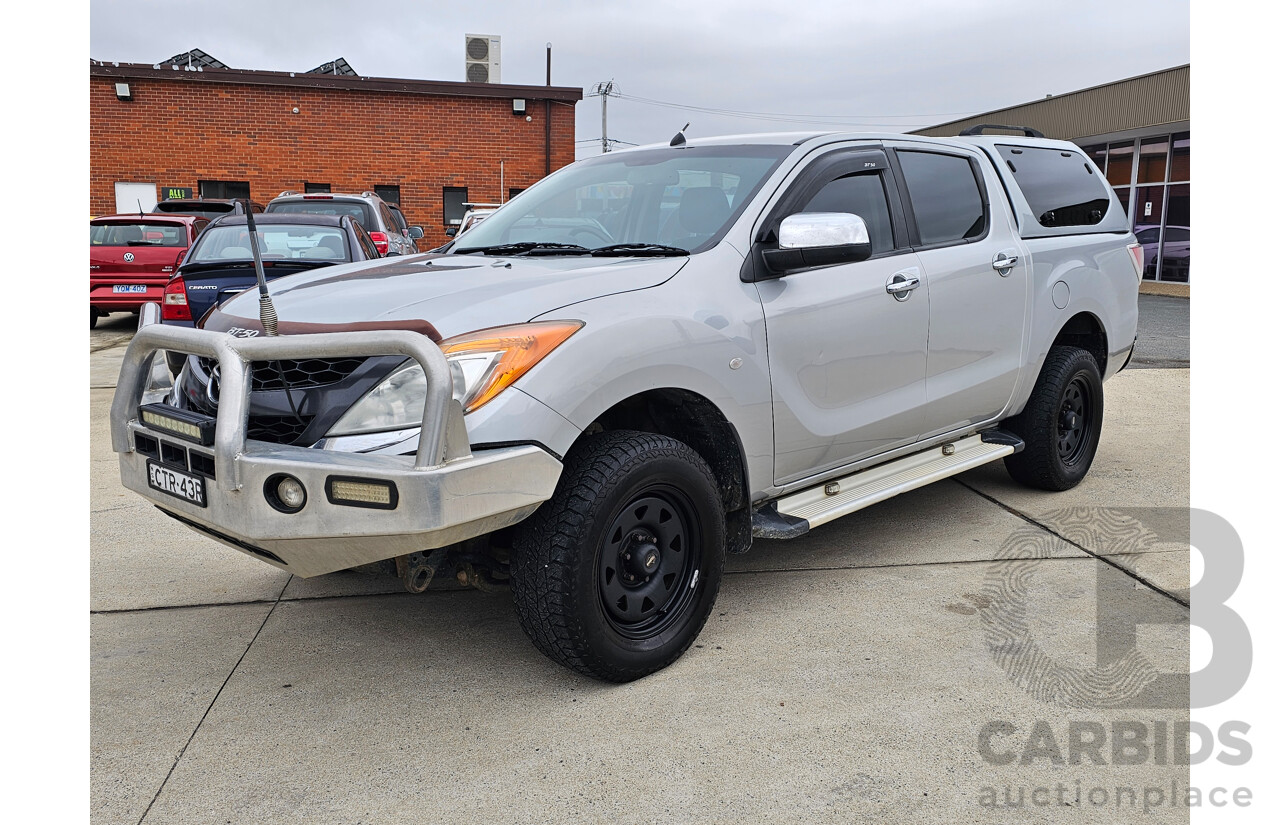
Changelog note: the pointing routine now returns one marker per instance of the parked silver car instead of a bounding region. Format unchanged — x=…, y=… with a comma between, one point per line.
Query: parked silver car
x=644, y=361
x=389, y=231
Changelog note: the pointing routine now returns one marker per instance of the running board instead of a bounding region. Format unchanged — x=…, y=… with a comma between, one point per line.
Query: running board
x=833, y=499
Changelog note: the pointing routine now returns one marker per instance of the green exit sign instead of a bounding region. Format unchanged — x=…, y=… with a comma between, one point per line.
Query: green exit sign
x=172, y=193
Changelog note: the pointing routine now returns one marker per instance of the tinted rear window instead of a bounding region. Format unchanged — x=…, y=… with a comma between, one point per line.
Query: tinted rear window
x=137, y=234
x=356, y=209
x=276, y=242
x=1060, y=186
x=945, y=197
x=186, y=208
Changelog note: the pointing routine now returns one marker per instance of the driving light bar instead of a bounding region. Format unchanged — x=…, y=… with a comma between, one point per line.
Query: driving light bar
x=192, y=426
x=361, y=492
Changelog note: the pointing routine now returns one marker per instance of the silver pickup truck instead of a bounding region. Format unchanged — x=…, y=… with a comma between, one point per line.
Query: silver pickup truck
x=642, y=362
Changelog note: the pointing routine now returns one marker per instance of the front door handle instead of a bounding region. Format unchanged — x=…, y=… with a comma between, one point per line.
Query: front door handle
x=1004, y=262
x=901, y=284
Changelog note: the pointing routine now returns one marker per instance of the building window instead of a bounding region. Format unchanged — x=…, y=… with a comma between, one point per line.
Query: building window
x=455, y=204
x=224, y=189
x=316, y=188
x=1156, y=193
x=390, y=194
x=513, y=191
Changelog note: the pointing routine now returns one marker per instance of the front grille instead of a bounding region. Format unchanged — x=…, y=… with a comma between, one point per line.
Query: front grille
x=278, y=429
x=300, y=374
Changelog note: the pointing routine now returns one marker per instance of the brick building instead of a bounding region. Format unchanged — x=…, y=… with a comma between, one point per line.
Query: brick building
x=222, y=132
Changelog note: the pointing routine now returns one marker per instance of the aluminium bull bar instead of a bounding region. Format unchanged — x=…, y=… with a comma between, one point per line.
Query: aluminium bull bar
x=444, y=494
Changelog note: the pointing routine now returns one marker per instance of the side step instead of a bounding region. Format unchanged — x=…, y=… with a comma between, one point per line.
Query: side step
x=832, y=499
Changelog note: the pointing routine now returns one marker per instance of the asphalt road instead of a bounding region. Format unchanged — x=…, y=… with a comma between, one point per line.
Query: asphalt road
x=1164, y=332
x=844, y=676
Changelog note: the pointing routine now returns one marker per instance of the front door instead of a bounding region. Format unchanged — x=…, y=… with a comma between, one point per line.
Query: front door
x=846, y=356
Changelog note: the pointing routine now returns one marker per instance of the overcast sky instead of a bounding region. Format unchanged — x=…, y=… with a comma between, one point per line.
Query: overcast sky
x=886, y=66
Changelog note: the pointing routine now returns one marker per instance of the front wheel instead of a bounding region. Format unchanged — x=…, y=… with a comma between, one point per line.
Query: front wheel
x=1061, y=423
x=616, y=574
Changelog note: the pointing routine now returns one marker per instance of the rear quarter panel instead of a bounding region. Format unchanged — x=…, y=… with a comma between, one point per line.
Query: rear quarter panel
x=1098, y=273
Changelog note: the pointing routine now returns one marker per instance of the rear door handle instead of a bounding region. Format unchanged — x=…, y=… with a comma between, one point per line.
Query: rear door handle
x=901, y=284
x=1004, y=262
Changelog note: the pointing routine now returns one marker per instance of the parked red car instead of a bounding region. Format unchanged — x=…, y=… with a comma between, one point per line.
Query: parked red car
x=132, y=257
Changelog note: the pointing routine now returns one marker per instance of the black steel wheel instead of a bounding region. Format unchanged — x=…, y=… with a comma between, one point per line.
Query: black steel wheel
x=1061, y=423
x=616, y=574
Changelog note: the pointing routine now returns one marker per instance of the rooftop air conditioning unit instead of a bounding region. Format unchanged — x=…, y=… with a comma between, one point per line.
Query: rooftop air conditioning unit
x=484, y=58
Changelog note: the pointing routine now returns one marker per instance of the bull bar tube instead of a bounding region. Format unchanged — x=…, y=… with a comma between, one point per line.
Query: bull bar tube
x=445, y=493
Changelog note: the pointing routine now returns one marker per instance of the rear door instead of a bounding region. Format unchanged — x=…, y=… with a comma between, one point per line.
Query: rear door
x=846, y=358
x=976, y=266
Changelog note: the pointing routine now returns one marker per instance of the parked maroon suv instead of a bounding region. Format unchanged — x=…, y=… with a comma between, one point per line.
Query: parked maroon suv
x=132, y=257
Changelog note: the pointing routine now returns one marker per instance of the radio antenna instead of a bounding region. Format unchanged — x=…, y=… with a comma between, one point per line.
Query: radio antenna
x=266, y=311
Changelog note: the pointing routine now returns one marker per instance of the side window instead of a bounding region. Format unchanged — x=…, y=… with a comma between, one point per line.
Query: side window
x=366, y=243
x=199, y=227
x=863, y=195
x=387, y=220
x=945, y=197
x=1059, y=186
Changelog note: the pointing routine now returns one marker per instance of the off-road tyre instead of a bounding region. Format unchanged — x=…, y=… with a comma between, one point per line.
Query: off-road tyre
x=649, y=498
x=1061, y=423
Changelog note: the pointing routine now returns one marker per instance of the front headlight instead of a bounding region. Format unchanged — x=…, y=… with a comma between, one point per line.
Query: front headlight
x=483, y=364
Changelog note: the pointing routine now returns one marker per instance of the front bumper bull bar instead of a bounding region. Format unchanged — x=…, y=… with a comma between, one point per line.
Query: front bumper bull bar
x=446, y=494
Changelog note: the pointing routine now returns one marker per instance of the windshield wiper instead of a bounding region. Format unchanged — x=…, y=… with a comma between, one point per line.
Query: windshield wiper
x=526, y=248
x=638, y=249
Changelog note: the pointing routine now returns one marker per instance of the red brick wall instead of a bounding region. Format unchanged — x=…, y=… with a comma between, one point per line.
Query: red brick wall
x=178, y=132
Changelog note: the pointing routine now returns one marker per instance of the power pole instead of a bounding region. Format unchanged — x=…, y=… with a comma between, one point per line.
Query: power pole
x=604, y=90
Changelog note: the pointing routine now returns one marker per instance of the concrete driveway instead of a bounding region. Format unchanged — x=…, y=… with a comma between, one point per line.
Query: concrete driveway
x=900, y=665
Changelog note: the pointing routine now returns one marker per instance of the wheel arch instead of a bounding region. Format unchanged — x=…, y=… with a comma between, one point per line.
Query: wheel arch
x=1084, y=330
x=695, y=420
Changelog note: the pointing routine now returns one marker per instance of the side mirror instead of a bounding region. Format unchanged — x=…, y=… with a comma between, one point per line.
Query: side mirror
x=415, y=232
x=818, y=239
x=451, y=231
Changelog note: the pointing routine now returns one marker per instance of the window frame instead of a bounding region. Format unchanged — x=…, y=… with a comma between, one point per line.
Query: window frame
x=913, y=229
x=445, y=204
x=829, y=167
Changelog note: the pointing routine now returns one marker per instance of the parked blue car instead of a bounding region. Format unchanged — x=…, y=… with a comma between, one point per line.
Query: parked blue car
x=220, y=262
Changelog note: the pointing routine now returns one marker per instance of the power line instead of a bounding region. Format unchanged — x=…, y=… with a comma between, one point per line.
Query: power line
x=782, y=117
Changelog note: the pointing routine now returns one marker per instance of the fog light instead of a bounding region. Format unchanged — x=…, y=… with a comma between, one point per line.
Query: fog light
x=361, y=492
x=285, y=493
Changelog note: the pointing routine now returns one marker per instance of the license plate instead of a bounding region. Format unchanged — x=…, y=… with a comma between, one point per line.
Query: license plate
x=129, y=288
x=179, y=485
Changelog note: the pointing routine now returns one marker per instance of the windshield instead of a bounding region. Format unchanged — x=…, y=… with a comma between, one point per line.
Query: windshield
x=683, y=198
x=276, y=242
x=326, y=206
x=137, y=234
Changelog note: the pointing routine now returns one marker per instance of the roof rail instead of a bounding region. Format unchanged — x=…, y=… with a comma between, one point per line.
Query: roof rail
x=286, y=193
x=1027, y=131
x=482, y=205
x=367, y=194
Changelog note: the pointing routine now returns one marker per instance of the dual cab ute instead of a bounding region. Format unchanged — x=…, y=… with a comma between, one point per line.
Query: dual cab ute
x=644, y=361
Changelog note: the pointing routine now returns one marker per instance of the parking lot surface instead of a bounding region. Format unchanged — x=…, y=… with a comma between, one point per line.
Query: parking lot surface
x=844, y=676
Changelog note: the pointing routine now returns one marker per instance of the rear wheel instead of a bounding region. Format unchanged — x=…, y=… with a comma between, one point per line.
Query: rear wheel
x=1061, y=423
x=615, y=576
x=93, y=317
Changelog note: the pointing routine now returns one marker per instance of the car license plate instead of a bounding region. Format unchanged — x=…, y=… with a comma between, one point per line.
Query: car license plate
x=179, y=485
x=129, y=288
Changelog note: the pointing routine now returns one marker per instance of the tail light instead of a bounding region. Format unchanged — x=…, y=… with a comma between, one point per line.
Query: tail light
x=1139, y=259
x=175, y=306
x=380, y=241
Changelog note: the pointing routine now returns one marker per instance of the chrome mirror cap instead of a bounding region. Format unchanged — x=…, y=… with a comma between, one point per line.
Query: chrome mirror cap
x=806, y=230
